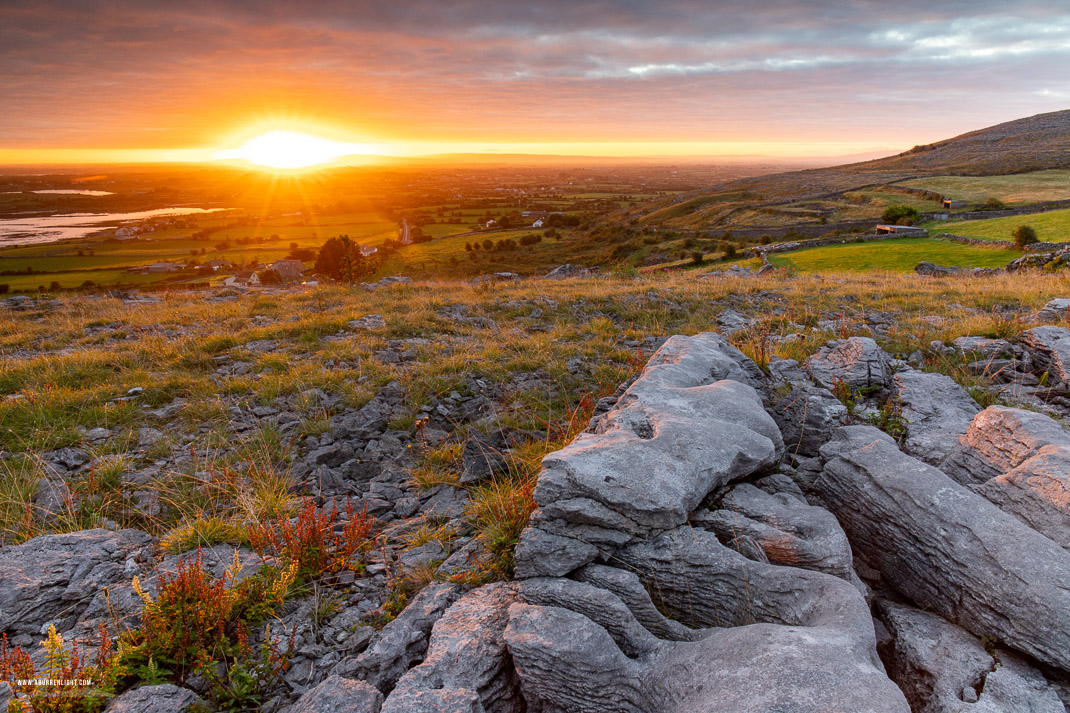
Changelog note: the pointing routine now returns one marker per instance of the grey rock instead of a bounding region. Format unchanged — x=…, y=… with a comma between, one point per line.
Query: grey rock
x=984, y=346
x=999, y=439
x=807, y=417
x=1050, y=350
x=937, y=412
x=787, y=371
x=69, y=458
x=446, y=503
x=567, y=662
x=466, y=655
x=52, y=579
x=403, y=641
x=340, y=695
x=678, y=432
x=943, y=669
x=631, y=591
x=1057, y=310
x=951, y=551
x=480, y=459
x=857, y=362
x=599, y=605
x=1037, y=492
x=165, y=698
x=789, y=532
x=731, y=322
x=368, y=322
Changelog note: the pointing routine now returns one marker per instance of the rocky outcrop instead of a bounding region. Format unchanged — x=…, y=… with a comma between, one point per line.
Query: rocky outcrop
x=950, y=550
x=53, y=579
x=807, y=417
x=1057, y=310
x=944, y=669
x=340, y=695
x=856, y=362
x=402, y=642
x=936, y=411
x=999, y=439
x=467, y=663
x=164, y=698
x=1050, y=347
x=788, y=531
x=756, y=588
x=1037, y=492
x=691, y=422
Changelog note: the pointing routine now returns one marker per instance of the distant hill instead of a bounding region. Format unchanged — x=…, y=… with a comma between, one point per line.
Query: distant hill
x=1033, y=144
x=1036, y=143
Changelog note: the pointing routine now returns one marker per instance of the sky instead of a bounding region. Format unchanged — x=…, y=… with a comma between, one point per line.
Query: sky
x=121, y=80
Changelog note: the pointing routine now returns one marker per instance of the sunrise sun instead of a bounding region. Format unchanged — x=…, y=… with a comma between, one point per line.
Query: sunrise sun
x=291, y=149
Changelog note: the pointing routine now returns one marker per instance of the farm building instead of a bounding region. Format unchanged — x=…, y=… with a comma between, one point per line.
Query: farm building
x=289, y=269
x=950, y=204
x=905, y=230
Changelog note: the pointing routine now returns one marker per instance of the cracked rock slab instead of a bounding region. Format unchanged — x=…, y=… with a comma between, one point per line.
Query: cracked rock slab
x=950, y=550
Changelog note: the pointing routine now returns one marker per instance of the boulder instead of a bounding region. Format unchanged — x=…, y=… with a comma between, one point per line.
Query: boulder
x=807, y=417
x=950, y=550
x=688, y=424
x=999, y=439
x=164, y=698
x=340, y=695
x=857, y=362
x=402, y=642
x=466, y=655
x=984, y=346
x=936, y=411
x=569, y=661
x=1057, y=310
x=53, y=579
x=1037, y=492
x=944, y=669
x=1050, y=349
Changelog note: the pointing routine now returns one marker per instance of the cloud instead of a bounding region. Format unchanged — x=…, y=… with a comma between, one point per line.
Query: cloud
x=158, y=73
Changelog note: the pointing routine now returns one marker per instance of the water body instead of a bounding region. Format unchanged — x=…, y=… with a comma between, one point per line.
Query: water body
x=71, y=192
x=50, y=228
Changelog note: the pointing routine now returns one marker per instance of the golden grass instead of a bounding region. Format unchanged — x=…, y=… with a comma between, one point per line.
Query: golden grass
x=57, y=380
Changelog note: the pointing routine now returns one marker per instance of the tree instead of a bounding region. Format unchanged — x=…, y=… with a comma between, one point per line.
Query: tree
x=696, y=257
x=1024, y=235
x=488, y=244
x=270, y=277
x=342, y=259
x=729, y=250
x=302, y=254
x=4, y=288
x=899, y=215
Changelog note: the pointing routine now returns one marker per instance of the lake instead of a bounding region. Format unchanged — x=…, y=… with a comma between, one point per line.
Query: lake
x=50, y=228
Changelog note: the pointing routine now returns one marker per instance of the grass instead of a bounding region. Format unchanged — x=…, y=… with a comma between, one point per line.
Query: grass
x=1015, y=189
x=58, y=381
x=1053, y=227
x=891, y=255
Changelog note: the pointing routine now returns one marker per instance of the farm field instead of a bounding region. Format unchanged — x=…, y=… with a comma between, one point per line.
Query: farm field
x=1015, y=189
x=1053, y=227
x=892, y=256
x=448, y=257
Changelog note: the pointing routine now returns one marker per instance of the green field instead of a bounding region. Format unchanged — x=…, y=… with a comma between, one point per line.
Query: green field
x=1053, y=227
x=899, y=255
x=1015, y=189
x=447, y=256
